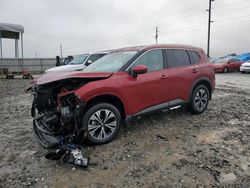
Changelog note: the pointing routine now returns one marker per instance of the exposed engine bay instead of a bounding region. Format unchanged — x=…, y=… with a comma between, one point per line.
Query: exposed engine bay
x=57, y=112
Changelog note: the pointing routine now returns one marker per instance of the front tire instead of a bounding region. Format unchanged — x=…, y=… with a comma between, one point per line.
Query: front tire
x=102, y=122
x=199, y=100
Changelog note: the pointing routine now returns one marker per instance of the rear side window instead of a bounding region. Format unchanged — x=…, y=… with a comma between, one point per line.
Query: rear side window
x=194, y=57
x=177, y=58
x=233, y=60
x=152, y=59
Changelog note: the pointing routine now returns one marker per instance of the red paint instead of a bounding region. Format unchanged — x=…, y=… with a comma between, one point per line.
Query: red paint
x=151, y=88
x=230, y=66
x=55, y=76
x=140, y=69
x=144, y=90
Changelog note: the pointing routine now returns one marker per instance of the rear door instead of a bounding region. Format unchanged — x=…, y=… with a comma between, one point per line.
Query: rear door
x=230, y=64
x=184, y=70
x=236, y=64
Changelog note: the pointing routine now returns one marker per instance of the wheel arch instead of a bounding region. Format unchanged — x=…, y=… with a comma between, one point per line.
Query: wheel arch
x=201, y=81
x=107, y=98
x=226, y=67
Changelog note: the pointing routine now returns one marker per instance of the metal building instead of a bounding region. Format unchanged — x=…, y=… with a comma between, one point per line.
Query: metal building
x=11, y=31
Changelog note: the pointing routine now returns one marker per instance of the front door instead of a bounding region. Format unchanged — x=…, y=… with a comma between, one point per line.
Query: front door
x=151, y=88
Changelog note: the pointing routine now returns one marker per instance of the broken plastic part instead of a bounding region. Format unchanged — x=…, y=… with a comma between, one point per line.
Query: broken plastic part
x=77, y=158
x=69, y=153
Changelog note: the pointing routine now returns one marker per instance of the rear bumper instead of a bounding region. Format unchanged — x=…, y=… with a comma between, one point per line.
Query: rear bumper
x=44, y=136
x=244, y=69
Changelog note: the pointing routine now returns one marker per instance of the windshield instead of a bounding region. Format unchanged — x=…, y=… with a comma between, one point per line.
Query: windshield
x=111, y=62
x=222, y=61
x=79, y=59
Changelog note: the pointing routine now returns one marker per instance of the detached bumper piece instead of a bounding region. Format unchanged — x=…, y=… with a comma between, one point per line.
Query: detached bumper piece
x=44, y=135
x=69, y=153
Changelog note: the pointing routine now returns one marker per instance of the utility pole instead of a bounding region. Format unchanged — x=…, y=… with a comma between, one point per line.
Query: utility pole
x=1, y=47
x=209, y=23
x=156, y=35
x=22, y=44
x=61, y=50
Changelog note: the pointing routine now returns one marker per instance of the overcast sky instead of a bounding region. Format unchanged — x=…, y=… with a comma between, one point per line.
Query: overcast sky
x=83, y=26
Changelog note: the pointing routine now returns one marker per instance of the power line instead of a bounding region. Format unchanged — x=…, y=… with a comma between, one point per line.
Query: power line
x=129, y=32
x=184, y=29
x=150, y=24
x=229, y=4
x=221, y=23
x=141, y=27
x=125, y=33
x=188, y=29
x=235, y=17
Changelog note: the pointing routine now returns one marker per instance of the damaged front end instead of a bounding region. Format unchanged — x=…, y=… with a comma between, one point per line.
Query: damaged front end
x=57, y=112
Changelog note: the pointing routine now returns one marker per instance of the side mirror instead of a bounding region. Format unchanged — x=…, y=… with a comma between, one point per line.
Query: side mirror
x=139, y=69
x=88, y=62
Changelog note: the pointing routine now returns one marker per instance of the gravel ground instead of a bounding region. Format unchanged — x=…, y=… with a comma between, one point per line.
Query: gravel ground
x=169, y=149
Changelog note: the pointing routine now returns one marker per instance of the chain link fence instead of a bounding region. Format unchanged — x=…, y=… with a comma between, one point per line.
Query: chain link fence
x=33, y=65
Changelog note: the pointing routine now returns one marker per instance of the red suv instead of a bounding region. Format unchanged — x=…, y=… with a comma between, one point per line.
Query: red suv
x=122, y=85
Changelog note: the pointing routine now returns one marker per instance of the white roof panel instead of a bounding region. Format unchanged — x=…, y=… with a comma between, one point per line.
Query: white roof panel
x=11, y=27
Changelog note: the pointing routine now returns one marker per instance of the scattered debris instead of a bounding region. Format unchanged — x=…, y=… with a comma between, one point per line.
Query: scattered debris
x=219, y=162
x=181, y=163
x=162, y=137
x=69, y=153
x=137, y=158
x=213, y=172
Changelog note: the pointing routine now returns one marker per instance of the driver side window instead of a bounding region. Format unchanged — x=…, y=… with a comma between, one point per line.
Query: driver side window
x=152, y=59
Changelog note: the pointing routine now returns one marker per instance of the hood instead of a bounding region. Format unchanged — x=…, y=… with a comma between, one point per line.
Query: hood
x=246, y=64
x=56, y=76
x=66, y=68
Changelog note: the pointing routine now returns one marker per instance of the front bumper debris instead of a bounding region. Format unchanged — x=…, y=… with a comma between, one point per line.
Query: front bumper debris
x=69, y=153
x=44, y=135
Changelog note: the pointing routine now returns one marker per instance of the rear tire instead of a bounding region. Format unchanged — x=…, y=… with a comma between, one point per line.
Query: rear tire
x=199, y=100
x=102, y=122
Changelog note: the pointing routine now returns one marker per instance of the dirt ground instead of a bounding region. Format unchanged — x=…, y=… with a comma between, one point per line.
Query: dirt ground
x=169, y=149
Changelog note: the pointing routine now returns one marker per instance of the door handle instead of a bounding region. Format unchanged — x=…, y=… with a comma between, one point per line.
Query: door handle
x=163, y=76
x=194, y=71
